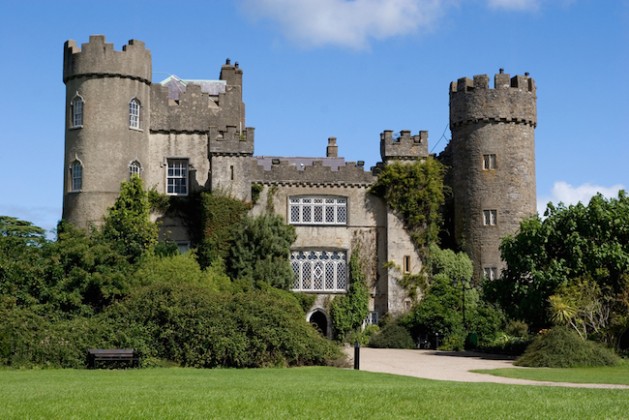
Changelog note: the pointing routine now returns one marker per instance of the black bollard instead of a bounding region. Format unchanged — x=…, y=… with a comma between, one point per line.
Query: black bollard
x=357, y=355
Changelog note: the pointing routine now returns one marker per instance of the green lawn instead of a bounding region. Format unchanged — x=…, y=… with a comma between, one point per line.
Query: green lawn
x=285, y=393
x=599, y=375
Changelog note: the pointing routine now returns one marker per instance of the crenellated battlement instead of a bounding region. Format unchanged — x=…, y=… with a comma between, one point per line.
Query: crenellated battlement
x=312, y=172
x=502, y=80
x=511, y=100
x=99, y=59
x=403, y=147
x=231, y=141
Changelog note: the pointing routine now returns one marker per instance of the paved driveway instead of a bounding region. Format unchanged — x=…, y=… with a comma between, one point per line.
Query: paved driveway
x=447, y=366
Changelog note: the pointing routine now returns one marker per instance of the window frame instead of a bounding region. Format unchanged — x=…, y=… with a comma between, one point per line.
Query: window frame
x=489, y=162
x=77, y=107
x=178, y=172
x=135, y=114
x=319, y=270
x=490, y=217
x=135, y=168
x=319, y=210
x=76, y=176
x=490, y=273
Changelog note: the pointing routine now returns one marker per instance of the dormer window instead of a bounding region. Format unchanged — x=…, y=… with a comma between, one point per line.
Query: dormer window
x=76, y=112
x=134, y=113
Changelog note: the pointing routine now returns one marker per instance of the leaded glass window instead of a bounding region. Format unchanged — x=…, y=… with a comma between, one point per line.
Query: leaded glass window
x=319, y=271
x=318, y=210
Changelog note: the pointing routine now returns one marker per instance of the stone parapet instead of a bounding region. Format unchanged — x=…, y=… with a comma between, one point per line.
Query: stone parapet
x=99, y=59
x=512, y=100
x=403, y=147
x=286, y=172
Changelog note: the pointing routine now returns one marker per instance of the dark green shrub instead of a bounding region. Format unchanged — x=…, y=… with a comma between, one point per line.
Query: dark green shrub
x=392, y=336
x=194, y=326
x=563, y=348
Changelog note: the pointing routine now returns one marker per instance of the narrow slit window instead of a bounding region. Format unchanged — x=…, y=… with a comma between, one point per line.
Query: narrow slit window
x=407, y=264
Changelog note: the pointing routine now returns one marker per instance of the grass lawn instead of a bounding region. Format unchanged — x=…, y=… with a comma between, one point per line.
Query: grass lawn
x=315, y=392
x=591, y=375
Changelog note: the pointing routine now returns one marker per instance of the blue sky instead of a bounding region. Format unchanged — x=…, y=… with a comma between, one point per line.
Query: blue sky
x=320, y=68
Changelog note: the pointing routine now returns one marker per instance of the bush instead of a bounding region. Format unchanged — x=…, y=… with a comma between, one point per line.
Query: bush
x=563, y=348
x=392, y=336
x=193, y=326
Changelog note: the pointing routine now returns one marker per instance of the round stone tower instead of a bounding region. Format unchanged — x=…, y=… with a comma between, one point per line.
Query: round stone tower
x=492, y=154
x=107, y=124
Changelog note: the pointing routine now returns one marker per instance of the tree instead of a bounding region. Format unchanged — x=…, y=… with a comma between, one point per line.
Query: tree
x=21, y=263
x=260, y=250
x=128, y=222
x=569, y=245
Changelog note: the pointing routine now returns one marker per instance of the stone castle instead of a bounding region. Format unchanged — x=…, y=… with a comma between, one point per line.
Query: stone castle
x=185, y=136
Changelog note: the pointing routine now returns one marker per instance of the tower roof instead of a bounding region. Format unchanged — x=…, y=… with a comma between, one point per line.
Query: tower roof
x=176, y=86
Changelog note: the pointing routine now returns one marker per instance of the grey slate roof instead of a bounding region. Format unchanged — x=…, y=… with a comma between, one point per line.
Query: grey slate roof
x=176, y=86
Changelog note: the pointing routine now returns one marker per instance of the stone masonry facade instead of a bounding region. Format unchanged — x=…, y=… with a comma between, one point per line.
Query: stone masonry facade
x=186, y=136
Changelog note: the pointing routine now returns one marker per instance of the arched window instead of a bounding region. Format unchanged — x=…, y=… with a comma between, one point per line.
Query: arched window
x=135, y=168
x=134, y=113
x=76, y=110
x=76, y=176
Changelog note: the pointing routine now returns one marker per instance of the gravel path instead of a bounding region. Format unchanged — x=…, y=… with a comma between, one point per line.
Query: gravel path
x=447, y=366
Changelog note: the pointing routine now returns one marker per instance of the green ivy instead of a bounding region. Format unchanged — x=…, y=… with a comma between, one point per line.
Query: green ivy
x=415, y=192
x=349, y=311
x=220, y=215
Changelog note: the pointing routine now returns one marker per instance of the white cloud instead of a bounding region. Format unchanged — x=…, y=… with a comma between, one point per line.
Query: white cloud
x=515, y=5
x=346, y=23
x=565, y=193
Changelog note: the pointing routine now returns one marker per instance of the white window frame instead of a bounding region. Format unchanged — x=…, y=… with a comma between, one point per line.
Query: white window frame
x=489, y=162
x=76, y=176
x=177, y=176
x=490, y=217
x=319, y=271
x=135, y=168
x=491, y=273
x=76, y=111
x=135, y=109
x=317, y=210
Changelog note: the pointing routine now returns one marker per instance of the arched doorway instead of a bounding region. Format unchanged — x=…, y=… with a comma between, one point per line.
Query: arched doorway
x=319, y=322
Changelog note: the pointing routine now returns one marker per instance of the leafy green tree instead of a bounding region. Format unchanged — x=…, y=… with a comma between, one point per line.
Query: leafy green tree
x=260, y=250
x=452, y=306
x=84, y=272
x=415, y=192
x=348, y=312
x=570, y=244
x=128, y=222
x=21, y=262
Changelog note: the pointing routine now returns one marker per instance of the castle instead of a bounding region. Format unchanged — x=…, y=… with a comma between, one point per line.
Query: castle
x=184, y=136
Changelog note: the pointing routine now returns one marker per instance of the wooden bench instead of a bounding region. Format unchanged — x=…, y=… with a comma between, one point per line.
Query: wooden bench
x=112, y=358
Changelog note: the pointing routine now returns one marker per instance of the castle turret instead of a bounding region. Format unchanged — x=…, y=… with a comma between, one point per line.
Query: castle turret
x=404, y=147
x=107, y=124
x=492, y=156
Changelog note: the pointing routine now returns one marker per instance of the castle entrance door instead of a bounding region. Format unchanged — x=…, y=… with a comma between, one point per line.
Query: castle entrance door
x=319, y=322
